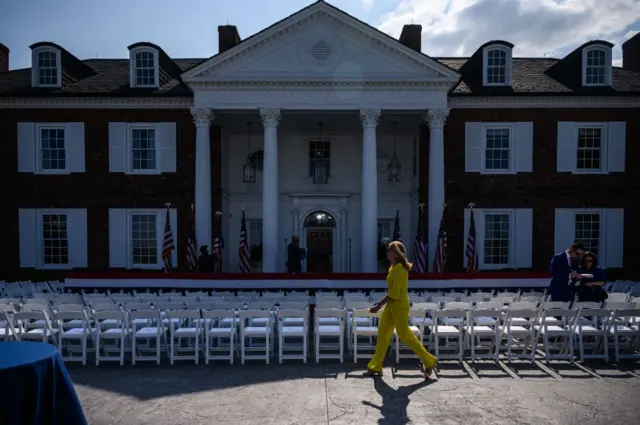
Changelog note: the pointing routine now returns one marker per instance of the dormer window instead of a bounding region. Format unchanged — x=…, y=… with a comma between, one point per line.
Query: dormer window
x=46, y=71
x=497, y=66
x=144, y=68
x=596, y=66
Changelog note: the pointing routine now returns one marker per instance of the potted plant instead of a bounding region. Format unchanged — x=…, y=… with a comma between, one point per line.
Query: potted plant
x=256, y=258
x=383, y=263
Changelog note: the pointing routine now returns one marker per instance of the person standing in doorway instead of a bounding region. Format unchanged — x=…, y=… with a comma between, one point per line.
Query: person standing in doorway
x=294, y=257
x=396, y=314
x=564, y=271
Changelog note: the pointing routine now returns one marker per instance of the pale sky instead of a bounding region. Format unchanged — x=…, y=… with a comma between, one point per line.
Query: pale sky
x=188, y=28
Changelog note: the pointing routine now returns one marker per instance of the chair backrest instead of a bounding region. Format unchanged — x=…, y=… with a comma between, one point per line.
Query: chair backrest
x=218, y=314
x=616, y=305
x=272, y=295
x=524, y=305
x=322, y=304
x=450, y=314
x=359, y=305
x=71, y=315
x=475, y=297
x=295, y=305
x=259, y=305
x=425, y=306
x=229, y=306
x=365, y=313
x=489, y=305
x=144, y=314
x=522, y=313
x=31, y=315
x=485, y=312
x=586, y=305
x=293, y=312
x=504, y=299
x=531, y=298
x=510, y=294
x=567, y=315
x=253, y=314
x=442, y=299
x=106, y=307
x=183, y=314
x=555, y=305
x=109, y=315
x=69, y=307
x=328, y=312
x=168, y=306
x=628, y=314
x=417, y=312
x=594, y=312
x=456, y=305
x=200, y=305
x=241, y=299
x=34, y=307
x=136, y=306
x=618, y=297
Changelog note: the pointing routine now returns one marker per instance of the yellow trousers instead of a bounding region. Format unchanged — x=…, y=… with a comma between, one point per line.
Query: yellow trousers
x=396, y=315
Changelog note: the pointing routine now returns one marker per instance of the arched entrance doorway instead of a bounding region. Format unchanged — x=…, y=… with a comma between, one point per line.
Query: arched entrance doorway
x=319, y=229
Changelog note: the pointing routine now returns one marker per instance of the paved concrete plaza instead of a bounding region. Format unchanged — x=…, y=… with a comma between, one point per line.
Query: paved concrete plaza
x=330, y=393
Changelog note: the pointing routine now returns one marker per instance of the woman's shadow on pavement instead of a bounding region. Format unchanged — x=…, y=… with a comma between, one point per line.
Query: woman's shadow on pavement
x=394, y=402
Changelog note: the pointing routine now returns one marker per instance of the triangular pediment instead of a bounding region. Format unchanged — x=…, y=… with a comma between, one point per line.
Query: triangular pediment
x=320, y=43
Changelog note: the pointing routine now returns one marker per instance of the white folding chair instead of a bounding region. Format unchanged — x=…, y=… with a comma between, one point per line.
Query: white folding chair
x=146, y=325
x=368, y=328
x=35, y=326
x=624, y=325
x=518, y=329
x=562, y=332
x=263, y=331
x=593, y=324
x=442, y=330
x=329, y=323
x=416, y=329
x=297, y=328
x=110, y=326
x=219, y=327
x=73, y=326
x=489, y=330
x=184, y=324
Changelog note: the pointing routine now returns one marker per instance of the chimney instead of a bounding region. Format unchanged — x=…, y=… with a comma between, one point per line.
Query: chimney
x=411, y=37
x=4, y=58
x=631, y=53
x=227, y=37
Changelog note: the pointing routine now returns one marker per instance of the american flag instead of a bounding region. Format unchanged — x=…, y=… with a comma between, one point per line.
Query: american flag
x=419, y=246
x=471, y=252
x=192, y=255
x=167, y=245
x=243, y=252
x=397, y=236
x=440, y=259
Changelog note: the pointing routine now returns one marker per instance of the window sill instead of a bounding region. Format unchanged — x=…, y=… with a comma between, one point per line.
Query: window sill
x=144, y=173
x=54, y=267
x=144, y=267
x=53, y=172
x=589, y=172
x=495, y=267
x=494, y=172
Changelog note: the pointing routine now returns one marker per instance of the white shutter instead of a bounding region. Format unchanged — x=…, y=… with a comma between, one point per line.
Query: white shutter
x=565, y=229
x=614, y=231
x=28, y=230
x=117, y=147
x=473, y=144
x=166, y=139
x=118, y=238
x=524, y=147
x=74, y=143
x=77, y=236
x=26, y=147
x=523, y=238
x=173, y=219
x=616, y=146
x=567, y=154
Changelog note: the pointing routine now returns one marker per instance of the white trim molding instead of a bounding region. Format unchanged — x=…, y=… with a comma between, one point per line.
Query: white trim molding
x=515, y=102
x=105, y=102
x=35, y=66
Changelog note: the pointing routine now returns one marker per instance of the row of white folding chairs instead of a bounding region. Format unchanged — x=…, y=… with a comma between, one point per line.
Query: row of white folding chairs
x=519, y=322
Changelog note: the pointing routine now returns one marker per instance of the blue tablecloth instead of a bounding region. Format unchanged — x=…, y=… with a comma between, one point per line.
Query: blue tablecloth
x=35, y=388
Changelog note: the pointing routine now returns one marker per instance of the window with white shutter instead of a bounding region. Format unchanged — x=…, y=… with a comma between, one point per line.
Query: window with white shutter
x=499, y=148
x=591, y=148
x=142, y=148
x=51, y=148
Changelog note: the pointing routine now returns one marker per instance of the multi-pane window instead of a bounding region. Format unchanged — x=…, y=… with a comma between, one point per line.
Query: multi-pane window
x=145, y=68
x=384, y=231
x=52, y=149
x=496, y=239
x=143, y=149
x=589, y=148
x=497, y=148
x=144, y=239
x=588, y=231
x=496, y=66
x=55, y=241
x=596, y=67
x=319, y=158
x=47, y=68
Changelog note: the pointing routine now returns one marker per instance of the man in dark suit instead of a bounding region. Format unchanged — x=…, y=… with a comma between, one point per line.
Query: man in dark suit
x=294, y=256
x=563, y=270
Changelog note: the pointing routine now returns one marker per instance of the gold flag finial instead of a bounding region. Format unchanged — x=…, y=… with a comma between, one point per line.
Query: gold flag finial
x=218, y=214
x=421, y=206
x=168, y=205
x=471, y=205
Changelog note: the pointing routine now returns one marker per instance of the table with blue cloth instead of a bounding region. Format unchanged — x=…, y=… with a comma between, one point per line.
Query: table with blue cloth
x=35, y=388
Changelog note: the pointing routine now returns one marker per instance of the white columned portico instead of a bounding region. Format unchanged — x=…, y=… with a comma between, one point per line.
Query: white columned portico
x=202, y=119
x=270, y=196
x=436, y=119
x=369, y=120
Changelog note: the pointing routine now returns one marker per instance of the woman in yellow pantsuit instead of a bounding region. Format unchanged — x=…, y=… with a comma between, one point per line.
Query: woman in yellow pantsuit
x=396, y=314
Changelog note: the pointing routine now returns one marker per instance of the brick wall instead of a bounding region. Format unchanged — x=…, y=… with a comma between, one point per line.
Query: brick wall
x=97, y=189
x=543, y=189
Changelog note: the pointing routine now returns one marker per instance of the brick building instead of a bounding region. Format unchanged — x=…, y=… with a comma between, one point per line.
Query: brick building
x=323, y=127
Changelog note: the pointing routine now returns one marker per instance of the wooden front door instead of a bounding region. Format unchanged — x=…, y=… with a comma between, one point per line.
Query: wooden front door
x=319, y=250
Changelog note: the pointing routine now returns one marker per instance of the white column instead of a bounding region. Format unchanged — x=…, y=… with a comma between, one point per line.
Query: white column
x=270, y=196
x=369, y=247
x=202, y=119
x=344, y=267
x=436, y=119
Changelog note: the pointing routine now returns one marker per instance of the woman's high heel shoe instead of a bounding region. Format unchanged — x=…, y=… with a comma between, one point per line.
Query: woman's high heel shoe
x=371, y=373
x=426, y=371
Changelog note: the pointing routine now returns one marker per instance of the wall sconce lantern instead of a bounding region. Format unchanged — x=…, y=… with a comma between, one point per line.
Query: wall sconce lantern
x=395, y=168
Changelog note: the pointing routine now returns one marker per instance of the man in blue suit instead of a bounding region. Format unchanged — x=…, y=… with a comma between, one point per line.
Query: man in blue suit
x=563, y=270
